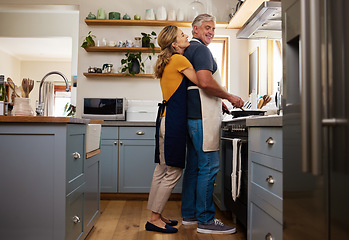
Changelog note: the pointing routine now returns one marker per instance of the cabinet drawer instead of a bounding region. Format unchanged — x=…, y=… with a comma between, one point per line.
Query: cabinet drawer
x=262, y=225
x=266, y=140
x=109, y=133
x=137, y=132
x=266, y=177
x=74, y=214
x=75, y=160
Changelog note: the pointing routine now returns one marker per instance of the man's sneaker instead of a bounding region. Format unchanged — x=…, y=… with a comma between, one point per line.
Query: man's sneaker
x=189, y=221
x=215, y=227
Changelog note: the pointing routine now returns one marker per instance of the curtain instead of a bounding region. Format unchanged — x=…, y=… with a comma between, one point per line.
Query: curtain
x=48, y=98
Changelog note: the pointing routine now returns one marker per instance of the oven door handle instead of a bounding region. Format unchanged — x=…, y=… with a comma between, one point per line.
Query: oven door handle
x=231, y=139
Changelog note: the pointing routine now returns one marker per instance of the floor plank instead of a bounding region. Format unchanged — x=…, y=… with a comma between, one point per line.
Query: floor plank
x=128, y=226
x=126, y=219
x=109, y=219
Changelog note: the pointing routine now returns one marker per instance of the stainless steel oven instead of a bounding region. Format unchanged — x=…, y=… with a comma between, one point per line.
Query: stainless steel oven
x=235, y=128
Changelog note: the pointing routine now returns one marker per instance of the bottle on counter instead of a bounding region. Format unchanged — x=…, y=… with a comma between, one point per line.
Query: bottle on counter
x=253, y=100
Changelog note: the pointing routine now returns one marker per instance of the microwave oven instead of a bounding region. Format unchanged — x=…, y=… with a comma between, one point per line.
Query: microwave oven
x=104, y=108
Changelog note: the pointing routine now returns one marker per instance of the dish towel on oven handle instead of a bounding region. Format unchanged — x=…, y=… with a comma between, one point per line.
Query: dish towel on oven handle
x=236, y=168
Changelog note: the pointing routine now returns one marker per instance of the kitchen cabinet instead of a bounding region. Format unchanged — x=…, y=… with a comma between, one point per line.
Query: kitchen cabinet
x=265, y=183
x=51, y=190
x=127, y=159
x=109, y=159
x=245, y=11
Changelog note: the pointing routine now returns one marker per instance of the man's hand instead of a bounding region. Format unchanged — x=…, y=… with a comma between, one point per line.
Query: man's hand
x=236, y=101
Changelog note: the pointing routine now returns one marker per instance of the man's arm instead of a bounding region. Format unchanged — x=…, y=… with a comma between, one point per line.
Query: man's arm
x=207, y=83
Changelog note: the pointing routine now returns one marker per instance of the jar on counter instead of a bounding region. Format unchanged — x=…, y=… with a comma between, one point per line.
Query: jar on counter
x=138, y=42
x=22, y=107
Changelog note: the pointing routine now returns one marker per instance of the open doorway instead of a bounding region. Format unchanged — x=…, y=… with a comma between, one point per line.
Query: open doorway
x=37, y=40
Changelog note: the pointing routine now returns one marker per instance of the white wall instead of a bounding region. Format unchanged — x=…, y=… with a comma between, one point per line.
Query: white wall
x=10, y=66
x=147, y=89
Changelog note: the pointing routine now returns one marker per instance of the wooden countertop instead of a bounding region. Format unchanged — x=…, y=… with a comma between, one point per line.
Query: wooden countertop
x=39, y=119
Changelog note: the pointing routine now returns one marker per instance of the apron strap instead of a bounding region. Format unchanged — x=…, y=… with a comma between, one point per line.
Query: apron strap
x=161, y=110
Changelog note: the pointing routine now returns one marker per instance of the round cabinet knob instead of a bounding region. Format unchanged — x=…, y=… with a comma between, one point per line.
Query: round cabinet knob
x=76, y=219
x=270, y=180
x=121, y=143
x=76, y=155
x=270, y=141
x=269, y=237
x=115, y=143
x=140, y=133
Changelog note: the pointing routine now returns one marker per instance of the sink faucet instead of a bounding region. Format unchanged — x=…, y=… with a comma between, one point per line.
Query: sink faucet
x=40, y=104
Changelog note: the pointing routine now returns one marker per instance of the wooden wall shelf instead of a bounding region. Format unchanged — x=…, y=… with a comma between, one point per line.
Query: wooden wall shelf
x=121, y=49
x=118, y=75
x=150, y=23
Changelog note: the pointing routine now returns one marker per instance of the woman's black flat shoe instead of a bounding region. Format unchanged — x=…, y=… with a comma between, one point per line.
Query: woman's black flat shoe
x=172, y=222
x=168, y=229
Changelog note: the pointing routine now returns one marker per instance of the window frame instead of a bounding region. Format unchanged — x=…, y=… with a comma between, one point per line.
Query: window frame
x=225, y=59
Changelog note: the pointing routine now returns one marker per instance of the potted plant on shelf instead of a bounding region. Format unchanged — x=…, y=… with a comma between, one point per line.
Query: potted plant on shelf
x=89, y=42
x=133, y=63
x=146, y=40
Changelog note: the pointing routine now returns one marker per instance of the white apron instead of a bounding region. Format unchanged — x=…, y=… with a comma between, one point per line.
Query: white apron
x=211, y=109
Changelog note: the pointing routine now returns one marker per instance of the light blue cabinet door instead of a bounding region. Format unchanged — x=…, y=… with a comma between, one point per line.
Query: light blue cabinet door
x=136, y=165
x=109, y=166
x=92, y=192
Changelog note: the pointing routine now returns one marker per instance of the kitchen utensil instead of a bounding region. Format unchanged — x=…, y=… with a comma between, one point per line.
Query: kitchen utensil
x=260, y=103
x=266, y=99
x=27, y=86
x=24, y=87
x=30, y=86
x=107, y=68
x=240, y=113
x=12, y=86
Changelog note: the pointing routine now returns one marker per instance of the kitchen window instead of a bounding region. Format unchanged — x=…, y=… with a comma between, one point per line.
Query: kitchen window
x=61, y=99
x=219, y=49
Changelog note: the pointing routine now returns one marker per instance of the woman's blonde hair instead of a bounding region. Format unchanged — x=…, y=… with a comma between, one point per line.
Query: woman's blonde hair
x=166, y=37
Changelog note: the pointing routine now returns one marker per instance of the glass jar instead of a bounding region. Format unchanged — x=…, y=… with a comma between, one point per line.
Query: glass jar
x=138, y=42
x=22, y=107
x=195, y=8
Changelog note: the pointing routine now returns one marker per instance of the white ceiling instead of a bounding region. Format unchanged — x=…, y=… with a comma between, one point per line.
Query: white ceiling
x=38, y=49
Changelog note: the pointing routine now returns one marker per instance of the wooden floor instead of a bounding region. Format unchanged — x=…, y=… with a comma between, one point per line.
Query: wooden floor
x=125, y=220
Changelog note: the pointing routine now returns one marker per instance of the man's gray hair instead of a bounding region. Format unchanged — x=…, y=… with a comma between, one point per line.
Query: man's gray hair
x=202, y=18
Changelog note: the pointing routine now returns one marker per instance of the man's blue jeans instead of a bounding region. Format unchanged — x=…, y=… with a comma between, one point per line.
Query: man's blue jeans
x=199, y=176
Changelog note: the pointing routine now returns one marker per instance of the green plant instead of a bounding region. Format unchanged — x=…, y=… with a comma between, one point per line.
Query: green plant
x=129, y=62
x=133, y=59
x=146, y=40
x=88, y=42
x=69, y=110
